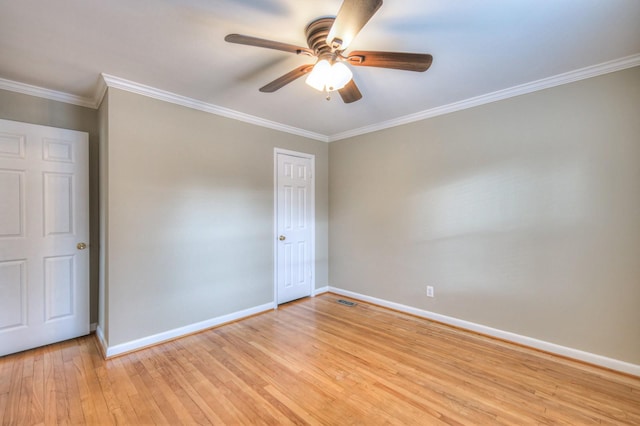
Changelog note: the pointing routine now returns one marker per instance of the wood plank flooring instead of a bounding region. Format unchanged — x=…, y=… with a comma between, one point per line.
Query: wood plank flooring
x=314, y=362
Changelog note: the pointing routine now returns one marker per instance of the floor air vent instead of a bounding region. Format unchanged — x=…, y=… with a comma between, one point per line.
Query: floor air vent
x=346, y=302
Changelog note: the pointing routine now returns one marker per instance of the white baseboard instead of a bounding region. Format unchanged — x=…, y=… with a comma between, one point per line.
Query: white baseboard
x=93, y=326
x=111, y=351
x=599, y=360
x=101, y=341
x=320, y=290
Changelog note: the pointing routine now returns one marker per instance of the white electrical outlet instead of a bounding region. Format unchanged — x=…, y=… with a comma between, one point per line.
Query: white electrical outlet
x=430, y=291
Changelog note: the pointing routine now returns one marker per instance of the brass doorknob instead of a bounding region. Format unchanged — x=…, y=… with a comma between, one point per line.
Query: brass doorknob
x=282, y=238
x=81, y=246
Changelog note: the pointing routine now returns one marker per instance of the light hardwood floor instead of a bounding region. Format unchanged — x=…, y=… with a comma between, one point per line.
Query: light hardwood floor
x=314, y=362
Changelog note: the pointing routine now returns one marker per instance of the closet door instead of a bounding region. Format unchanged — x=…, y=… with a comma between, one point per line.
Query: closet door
x=295, y=226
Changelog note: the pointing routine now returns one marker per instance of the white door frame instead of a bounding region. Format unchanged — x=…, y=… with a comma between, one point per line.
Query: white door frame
x=312, y=158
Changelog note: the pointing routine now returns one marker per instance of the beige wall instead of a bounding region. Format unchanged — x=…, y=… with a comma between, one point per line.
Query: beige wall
x=31, y=109
x=103, y=275
x=190, y=215
x=524, y=214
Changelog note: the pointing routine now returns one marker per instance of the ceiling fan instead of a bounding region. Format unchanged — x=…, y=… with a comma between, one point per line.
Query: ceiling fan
x=328, y=39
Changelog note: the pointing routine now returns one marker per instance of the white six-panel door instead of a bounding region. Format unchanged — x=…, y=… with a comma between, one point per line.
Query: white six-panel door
x=294, y=217
x=44, y=222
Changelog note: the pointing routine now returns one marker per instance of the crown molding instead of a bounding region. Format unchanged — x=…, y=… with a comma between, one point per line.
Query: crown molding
x=99, y=92
x=545, y=83
x=41, y=92
x=141, y=89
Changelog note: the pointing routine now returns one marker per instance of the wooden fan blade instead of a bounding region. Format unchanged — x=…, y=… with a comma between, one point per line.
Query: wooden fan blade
x=286, y=79
x=352, y=16
x=397, y=60
x=269, y=44
x=350, y=92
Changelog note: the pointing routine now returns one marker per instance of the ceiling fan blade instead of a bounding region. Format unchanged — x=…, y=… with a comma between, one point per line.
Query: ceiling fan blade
x=397, y=60
x=352, y=16
x=269, y=44
x=350, y=92
x=286, y=79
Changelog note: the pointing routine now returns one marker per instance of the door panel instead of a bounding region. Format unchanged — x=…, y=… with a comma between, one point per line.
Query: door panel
x=12, y=145
x=58, y=204
x=13, y=287
x=294, y=254
x=12, y=196
x=59, y=285
x=44, y=276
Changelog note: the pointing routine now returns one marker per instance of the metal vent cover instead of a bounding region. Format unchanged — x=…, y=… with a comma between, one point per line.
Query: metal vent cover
x=346, y=302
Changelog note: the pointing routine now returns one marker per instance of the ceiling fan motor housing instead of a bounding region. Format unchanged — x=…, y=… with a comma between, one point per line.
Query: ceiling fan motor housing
x=317, y=32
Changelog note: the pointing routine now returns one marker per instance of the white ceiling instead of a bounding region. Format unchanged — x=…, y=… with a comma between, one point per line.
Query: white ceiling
x=177, y=46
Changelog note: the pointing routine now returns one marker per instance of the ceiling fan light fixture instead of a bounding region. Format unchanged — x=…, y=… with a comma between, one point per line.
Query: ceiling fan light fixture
x=319, y=74
x=325, y=76
x=339, y=76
